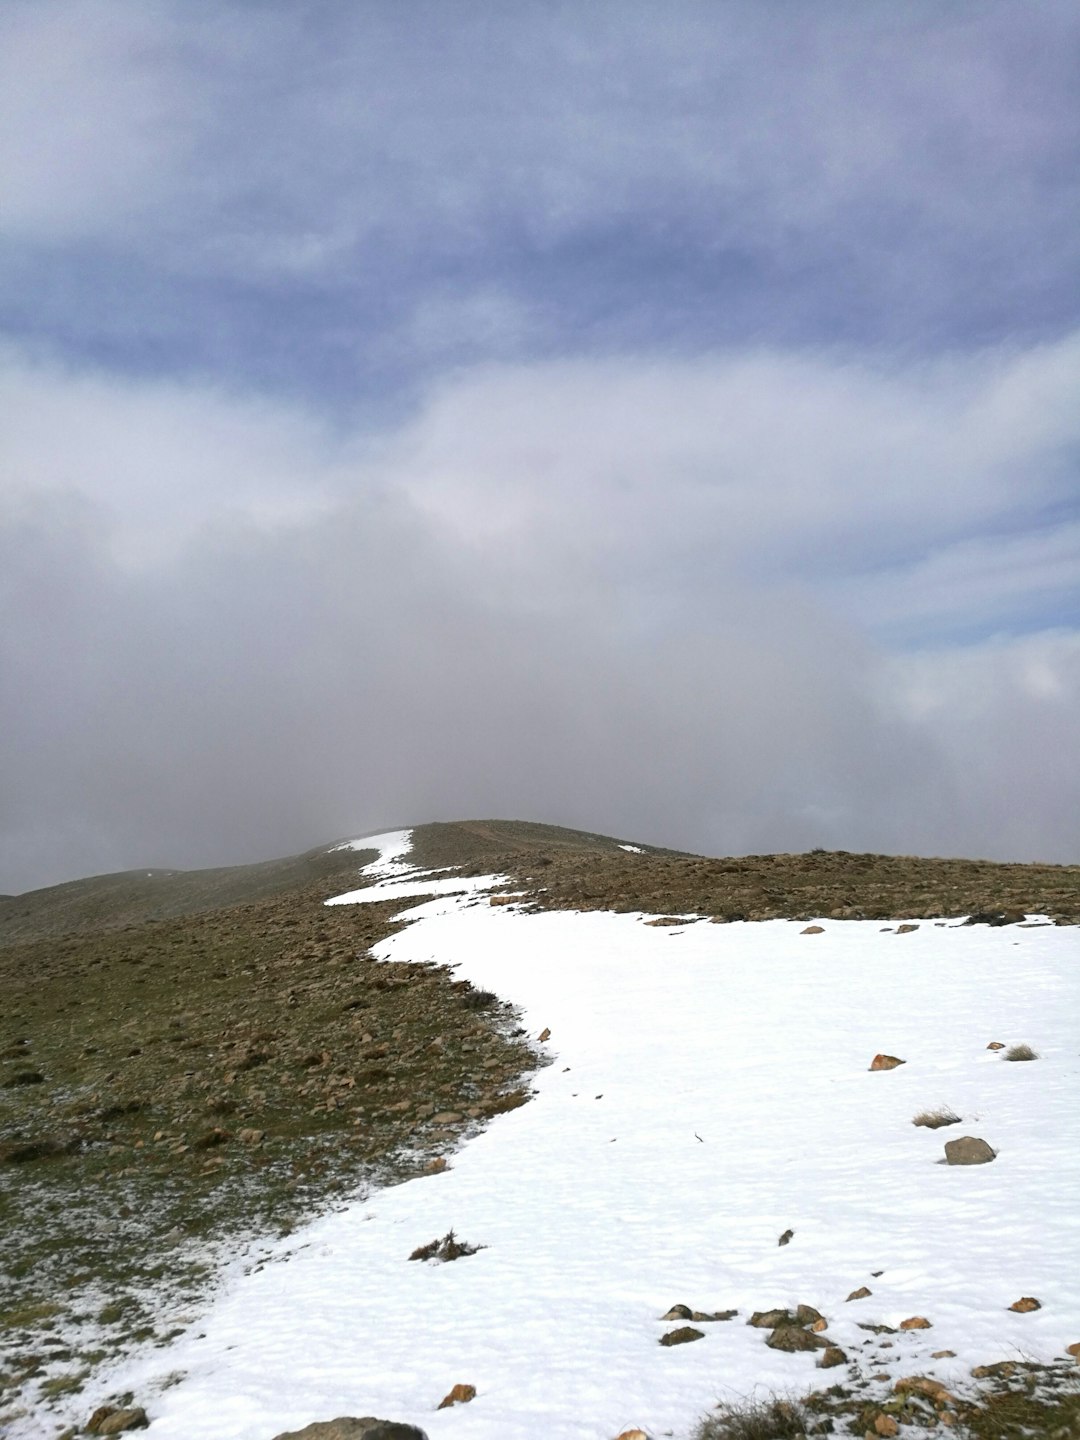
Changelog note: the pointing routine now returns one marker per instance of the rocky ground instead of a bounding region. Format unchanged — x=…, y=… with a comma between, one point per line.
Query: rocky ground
x=205, y=1057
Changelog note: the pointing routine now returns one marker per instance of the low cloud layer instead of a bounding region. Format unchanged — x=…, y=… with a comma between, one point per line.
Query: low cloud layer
x=627, y=597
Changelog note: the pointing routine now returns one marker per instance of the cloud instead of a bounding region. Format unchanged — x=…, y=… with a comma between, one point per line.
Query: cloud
x=606, y=595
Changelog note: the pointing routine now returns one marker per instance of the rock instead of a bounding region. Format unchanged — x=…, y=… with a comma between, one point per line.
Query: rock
x=968, y=1150
x=996, y=917
x=632, y=1435
x=1001, y=1369
x=794, y=1337
x=786, y=1238
x=716, y=1315
x=446, y=1117
x=121, y=1420
x=545, y=1034
x=436, y=1166
x=942, y=1354
x=682, y=1336
x=906, y=929
x=885, y=1425
x=101, y=1413
x=916, y=1322
x=996, y=1045
x=860, y=1294
x=922, y=1385
x=769, y=1319
x=807, y=1315
x=886, y=1062
x=1074, y=1350
x=813, y=930
x=663, y=920
x=832, y=1357
x=251, y=1136
x=459, y=1395
x=1026, y=1304
x=349, y=1428
x=213, y=1137
x=678, y=1312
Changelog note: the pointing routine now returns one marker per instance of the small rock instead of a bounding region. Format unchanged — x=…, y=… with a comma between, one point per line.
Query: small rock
x=996, y=1045
x=347, y=1427
x=794, y=1337
x=916, y=1322
x=459, y=1395
x=786, y=1237
x=1074, y=1350
x=446, y=1117
x=813, y=930
x=1001, y=1369
x=678, y=1312
x=1026, y=1304
x=885, y=1425
x=860, y=1294
x=251, y=1136
x=942, y=1354
x=682, y=1336
x=436, y=1166
x=632, y=1435
x=807, y=1315
x=545, y=1034
x=922, y=1385
x=906, y=929
x=886, y=1062
x=716, y=1315
x=121, y=1420
x=769, y=1319
x=831, y=1357
x=101, y=1413
x=969, y=1150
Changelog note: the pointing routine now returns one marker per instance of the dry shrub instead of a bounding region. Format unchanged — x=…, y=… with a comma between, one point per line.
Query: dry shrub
x=935, y=1119
x=448, y=1248
x=1020, y=1052
x=755, y=1420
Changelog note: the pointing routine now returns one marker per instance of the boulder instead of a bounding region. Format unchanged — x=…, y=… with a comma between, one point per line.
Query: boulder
x=886, y=1062
x=860, y=1294
x=968, y=1150
x=813, y=930
x=916, y=1322
x=1026, y=1304
x=794, y=1337
x=832, y=1357
x=769, y=1319
x=121, y=1420
x=682, y=1336
x=347, y=1427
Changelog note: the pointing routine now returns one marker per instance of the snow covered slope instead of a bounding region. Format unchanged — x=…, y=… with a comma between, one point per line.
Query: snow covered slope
x=708, y=1090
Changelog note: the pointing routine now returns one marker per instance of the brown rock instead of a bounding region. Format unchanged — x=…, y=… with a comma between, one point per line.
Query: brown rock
x=860, y=1294
x=968, y=1150
x=813, y=930
x=1001, y=1369
x=793, y=1337
x=459, y=1395
x=1026, y=1304
x=545, y=1034
x=832, y=1357
x=807, y=1315
x=906, y=929
x=996, y=1045
x=886, y=1062
x=1074, y=1350
x=682, y=1336
x=678, y=1312
x=121, y=1420
x=348, y=1427
x=715, y=1315
x=436, y=1166
x=632, y=1435
x=251, y=1136
x=915, y=1322
x=885, y=1425
x=769, y=1319
x=922, y=1385
x=942, y=1354
x=446, y=1117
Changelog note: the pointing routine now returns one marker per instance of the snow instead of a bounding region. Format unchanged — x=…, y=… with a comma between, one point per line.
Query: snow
x=709, y=1089
x=632, y=849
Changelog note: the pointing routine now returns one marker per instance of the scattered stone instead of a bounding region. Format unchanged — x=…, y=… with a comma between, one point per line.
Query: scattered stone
x=436, y=1166
x=447, y=1117
x=121, y=1420
x=996, y=1045
x=916, y=1322
x=702, y=1315
x=1074, y=1350
x=942, y=1354
x=996, y=917
x=1026, y=1304
x=446, y=1249
x=459, y=1395
x=813, y=930
x=666, y=920
x=831, y=1357
x=678, y=1312
x=906, y=929
x=886, y=1062
x=794, y=1337
x=251, y=1136
x=769, y=1319
x=101, y=1413
x=968, y=1150
x=682, y=1336
x=545, y=1034
x=348, y=1427
x=876, y=1329
x=861, y=1294
x=632, y=1435
x=885, y=1425
x=1001, y=1369
x=923, y=1385
x=807, y=1315
x=786, y=1237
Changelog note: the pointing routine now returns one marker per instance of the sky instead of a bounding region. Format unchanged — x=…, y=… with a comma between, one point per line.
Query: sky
x=662, y=423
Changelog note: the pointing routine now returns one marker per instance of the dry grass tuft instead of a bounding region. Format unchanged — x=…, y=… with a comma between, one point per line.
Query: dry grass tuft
x=1020, y=1052
x=935, y=1119
x=756, y=1420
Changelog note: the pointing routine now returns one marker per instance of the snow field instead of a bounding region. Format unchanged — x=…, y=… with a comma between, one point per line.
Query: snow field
x=600, y=1207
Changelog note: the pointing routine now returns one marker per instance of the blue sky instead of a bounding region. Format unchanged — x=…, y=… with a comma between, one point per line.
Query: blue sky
x=663, y=369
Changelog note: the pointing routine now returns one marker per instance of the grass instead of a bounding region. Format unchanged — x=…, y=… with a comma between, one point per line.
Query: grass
x=936, y=1119
x=772, y=1419
x=1020, y=1052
